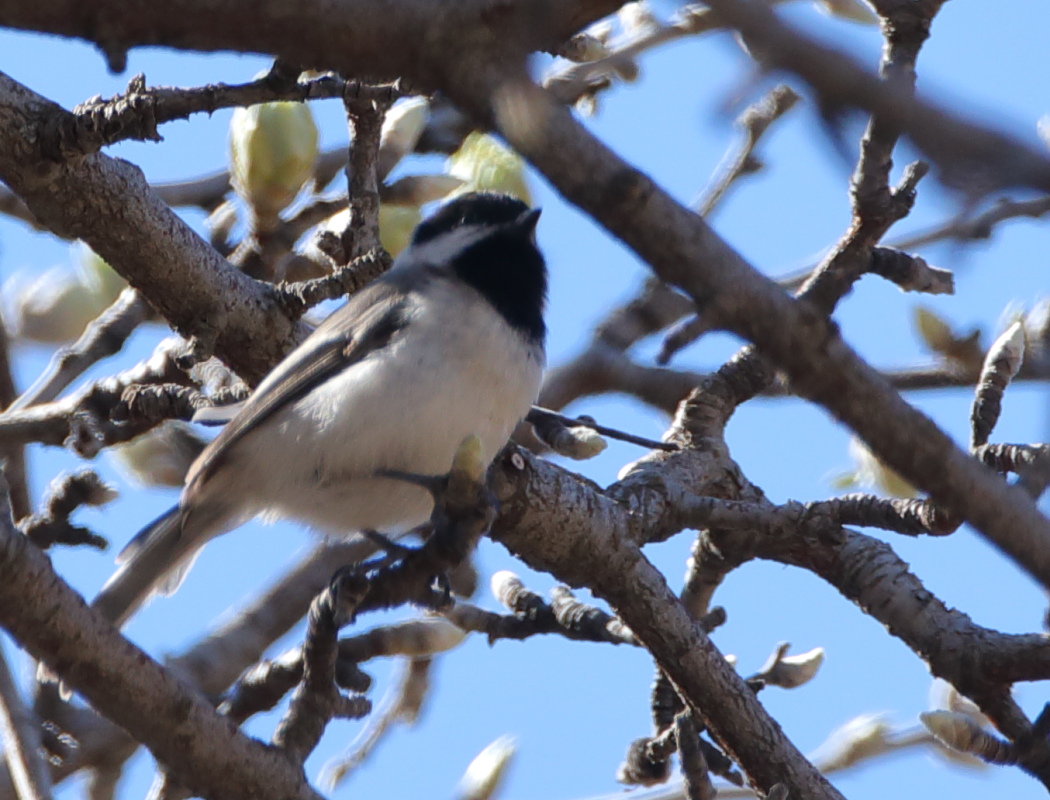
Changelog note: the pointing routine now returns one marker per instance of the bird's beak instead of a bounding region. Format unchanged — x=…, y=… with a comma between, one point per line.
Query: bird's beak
x=526, y=223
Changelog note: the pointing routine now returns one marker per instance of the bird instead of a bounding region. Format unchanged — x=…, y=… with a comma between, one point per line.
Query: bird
x=448, y=343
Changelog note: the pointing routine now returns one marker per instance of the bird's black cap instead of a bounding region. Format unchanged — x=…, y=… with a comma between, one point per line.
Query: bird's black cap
x=504, y=265
x=473, y=208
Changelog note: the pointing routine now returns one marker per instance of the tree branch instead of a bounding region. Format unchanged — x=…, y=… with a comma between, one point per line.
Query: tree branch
x=103, y=337
x=685, y=252
x=970, y=157
x=53, y=624
x=594, y=547
x=20, y=732
x=107, y=203
x=14, y=462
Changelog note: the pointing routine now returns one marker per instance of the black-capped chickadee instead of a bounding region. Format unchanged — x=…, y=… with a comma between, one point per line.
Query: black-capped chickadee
x=448, y=343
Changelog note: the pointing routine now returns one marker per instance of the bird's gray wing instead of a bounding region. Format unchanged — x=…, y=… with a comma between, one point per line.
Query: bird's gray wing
x=367, y=323
x=159, y=556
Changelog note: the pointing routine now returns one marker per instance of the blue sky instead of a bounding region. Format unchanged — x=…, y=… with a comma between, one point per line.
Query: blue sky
x=575, y=707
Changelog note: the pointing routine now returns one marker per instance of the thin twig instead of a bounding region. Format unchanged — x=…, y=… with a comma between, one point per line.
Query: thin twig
x=85, y=420
x=317, y=699
x=572, y=81
x=961, y=230
x=12, y=453
x=754, y=122
x=977, y=228
x=103, y=337
x=820, y=518
x=696, y=779
x=402, y=705
x=20, y=731
x=542, y=416
x=299, y=297
x=65, y=495
x=136, y=113
x=365, y=113
x=532, y=615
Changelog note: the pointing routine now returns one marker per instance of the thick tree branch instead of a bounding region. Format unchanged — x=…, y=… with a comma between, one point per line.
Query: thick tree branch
x=444, y=132
x=685, y=252
x=596, y=549
x=977, y=661
x=107, y=203
x=53, y=624
x=559, y=524
x=362, y=38
x=211, y=664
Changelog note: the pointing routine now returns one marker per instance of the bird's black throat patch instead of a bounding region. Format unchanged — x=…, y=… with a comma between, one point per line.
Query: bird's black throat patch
x=508, y=270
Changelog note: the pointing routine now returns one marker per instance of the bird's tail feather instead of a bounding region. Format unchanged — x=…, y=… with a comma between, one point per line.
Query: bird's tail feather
x=156, y=560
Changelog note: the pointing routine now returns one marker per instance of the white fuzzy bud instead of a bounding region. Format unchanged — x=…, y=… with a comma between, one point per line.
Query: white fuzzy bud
x=861, y=738
x=402, y=127
x=637, y=17
x=55, y=307
x=790, y=672
x=852, y=10
x=418, y=638
x=273, y=147
x=483, y=163
x=486, y=772
x=1008, y=350
x=503, y=583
